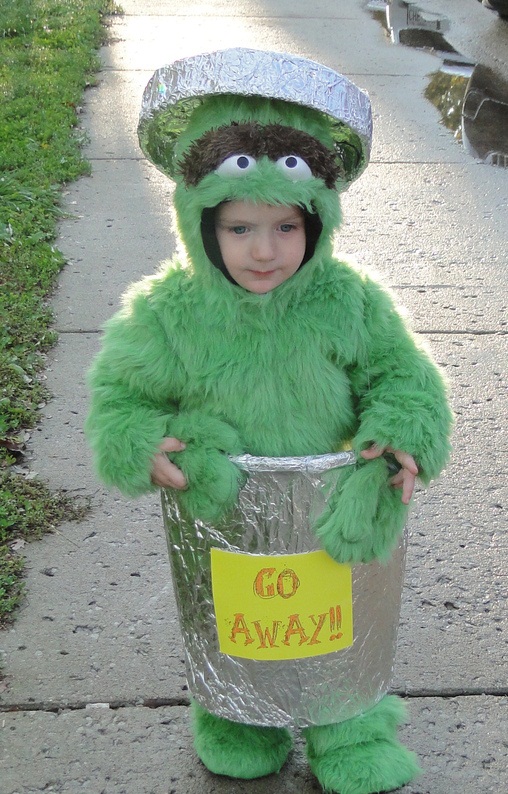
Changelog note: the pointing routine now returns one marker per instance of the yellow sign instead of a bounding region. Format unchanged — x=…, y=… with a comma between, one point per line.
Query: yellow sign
x=281, y=607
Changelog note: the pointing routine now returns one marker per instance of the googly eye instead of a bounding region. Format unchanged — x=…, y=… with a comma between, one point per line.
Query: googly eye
x=236, y=165
x=295, y=168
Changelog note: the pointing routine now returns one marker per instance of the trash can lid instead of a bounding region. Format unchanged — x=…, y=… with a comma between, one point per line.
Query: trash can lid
x=177, y=88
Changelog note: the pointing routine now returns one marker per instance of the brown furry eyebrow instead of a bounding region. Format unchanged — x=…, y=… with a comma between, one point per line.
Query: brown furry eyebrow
x=256, y=140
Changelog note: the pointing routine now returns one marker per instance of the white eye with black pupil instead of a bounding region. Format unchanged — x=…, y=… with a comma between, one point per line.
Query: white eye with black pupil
x=295, y=168
x=236, y=165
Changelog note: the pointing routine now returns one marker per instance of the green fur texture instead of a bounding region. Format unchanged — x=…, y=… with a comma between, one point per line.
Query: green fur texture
x=298, y=371
x=322, y=361
x=236, y=750
x=362, y=755
x=217, y=111
x=364, y=516
x=213, y=481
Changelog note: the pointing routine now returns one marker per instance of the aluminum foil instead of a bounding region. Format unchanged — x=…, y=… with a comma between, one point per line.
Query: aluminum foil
x=274, y=515
x=175, y=90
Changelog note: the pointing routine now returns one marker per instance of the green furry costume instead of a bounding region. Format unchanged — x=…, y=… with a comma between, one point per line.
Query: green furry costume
x=320, y=362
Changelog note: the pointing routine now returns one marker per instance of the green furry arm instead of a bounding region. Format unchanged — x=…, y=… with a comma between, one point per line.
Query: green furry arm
x=131, y=381
x=401, y=402
x=213, y=480
x=136, y=381
x=402, y=396
x=364, y=517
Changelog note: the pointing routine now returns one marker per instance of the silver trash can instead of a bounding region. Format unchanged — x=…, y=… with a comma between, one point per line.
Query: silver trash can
x=276, y=632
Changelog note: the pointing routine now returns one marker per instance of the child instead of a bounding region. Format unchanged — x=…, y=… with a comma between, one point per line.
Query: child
x=260, y=341
x=261, y=247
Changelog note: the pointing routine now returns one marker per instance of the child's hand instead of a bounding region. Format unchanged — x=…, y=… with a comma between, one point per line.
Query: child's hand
x=406, y=477
x=212, y=480
x=164, y=473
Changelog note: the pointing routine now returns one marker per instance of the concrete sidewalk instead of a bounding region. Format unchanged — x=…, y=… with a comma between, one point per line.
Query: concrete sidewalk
x=96, y=698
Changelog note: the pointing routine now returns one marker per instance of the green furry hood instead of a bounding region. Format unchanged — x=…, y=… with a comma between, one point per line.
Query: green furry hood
x=201, y=187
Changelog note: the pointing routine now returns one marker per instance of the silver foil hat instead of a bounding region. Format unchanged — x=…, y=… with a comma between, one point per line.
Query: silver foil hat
x=176, y=89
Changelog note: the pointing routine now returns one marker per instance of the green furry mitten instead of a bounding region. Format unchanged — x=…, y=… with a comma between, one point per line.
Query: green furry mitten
x=237, y=750
x=213, y=481
x=364, y=516
x=362, y=755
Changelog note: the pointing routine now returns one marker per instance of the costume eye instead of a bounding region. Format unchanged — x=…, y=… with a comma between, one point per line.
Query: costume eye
x=295, y=168
x=236, y=165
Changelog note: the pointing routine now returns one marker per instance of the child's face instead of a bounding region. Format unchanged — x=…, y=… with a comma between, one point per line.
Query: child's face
x=261, y=245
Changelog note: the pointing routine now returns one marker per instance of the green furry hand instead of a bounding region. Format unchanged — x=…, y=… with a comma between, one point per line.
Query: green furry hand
x=364, y=516
x=213, y=481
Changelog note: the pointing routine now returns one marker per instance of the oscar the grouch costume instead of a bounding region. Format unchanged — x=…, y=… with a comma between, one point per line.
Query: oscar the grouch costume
x=321, y=363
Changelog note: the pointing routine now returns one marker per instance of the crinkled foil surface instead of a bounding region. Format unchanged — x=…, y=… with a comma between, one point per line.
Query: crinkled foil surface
x=175, y=89
x=276, y=508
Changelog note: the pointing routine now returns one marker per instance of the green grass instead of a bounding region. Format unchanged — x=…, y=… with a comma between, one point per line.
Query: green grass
x=48, y=56
x=28, y=510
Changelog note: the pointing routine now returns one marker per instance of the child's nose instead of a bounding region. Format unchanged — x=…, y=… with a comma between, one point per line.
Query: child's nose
x=263, y=247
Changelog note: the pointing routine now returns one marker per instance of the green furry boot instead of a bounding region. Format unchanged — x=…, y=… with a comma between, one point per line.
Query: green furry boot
x=237, y=750
x=362, y=755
